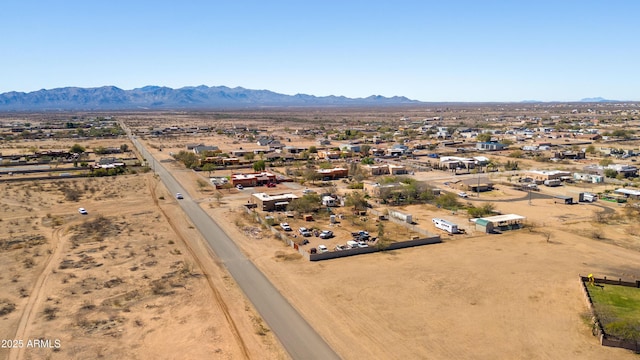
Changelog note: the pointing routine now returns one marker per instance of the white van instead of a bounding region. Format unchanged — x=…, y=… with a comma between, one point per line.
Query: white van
x=352, y=244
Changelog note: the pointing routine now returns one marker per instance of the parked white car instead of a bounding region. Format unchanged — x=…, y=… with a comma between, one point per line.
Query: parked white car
x=285, y=226
x=326, y=234
x=83, y=211
x=322, y=248
x=304, y=232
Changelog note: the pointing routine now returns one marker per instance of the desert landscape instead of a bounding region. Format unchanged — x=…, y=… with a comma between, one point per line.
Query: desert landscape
x=133, y=279
x=119, y=282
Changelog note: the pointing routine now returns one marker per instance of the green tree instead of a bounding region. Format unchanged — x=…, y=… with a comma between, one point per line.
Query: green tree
x=484, y=137
x=610, y=173
x=481, y=211
x=312, y=175
x=313, y=149
x=249, y=156
x=189, y=159
x=209, y=167
x=307, y=203
x=367, y=161
x=365, y=149
x=605, y=162
x=380, y=229
x=124, y=147
x=218, y=195
x=516, y=154
x=511, y=165
x=259, y=165
x=448, y=201
x=357, y=200
x=77, y=148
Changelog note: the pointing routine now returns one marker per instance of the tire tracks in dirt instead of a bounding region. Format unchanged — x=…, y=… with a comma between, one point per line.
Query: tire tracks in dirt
x=218, y=297
x=36, y=295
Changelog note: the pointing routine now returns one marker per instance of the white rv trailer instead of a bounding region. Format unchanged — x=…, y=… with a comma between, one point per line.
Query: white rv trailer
x=449, y=227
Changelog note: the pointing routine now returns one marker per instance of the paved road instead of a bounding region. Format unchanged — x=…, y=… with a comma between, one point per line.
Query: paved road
x=299, y=339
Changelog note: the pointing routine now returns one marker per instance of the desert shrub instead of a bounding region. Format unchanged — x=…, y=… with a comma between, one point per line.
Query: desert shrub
x=202, y=184
x=356, y=185
x=96, y=229
x=481, y=211
x=50, y=313
x=71, y=194
x=6, y=307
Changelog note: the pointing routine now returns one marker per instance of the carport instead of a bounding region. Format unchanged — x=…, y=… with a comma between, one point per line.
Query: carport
x=562, y=199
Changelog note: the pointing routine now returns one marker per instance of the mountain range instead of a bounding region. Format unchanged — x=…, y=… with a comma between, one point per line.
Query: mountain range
x=165, y=98
x=597, y=99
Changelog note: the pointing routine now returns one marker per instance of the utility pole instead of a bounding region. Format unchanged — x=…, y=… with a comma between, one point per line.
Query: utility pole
x=478, y=188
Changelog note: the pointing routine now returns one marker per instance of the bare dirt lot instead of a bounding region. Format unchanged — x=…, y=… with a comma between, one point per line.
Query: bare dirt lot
x=120, y=282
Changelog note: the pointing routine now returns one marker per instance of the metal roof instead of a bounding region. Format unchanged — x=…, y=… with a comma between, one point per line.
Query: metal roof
x=501, y=218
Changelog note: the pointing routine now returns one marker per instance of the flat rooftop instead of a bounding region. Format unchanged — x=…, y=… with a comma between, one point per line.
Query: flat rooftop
x=504, y=218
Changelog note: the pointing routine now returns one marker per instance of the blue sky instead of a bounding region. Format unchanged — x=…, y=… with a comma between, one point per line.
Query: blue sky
x=425, y=50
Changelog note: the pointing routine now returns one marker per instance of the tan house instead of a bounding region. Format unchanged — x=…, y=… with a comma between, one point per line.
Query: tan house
x=376, y=170
x=329, y=154
x=480, y=184
x=266, y=202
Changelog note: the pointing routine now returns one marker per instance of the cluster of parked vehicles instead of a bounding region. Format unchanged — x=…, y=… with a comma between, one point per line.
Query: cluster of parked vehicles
x=324, y=234
x=359, y=240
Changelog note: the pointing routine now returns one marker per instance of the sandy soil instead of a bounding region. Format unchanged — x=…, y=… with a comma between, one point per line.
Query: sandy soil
x=494, y=296
x=130, y=280
x=149, y=288
x=475, y=296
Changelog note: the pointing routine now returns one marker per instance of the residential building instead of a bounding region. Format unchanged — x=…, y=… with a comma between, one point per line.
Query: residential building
x=490, y=146
x=267, y=202
x=253, y=179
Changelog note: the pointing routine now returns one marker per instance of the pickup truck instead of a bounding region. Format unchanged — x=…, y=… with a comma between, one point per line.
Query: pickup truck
x=360, y=235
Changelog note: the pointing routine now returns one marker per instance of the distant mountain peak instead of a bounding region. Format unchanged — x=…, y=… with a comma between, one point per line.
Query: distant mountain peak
x=162, y=97
x=597, y=99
